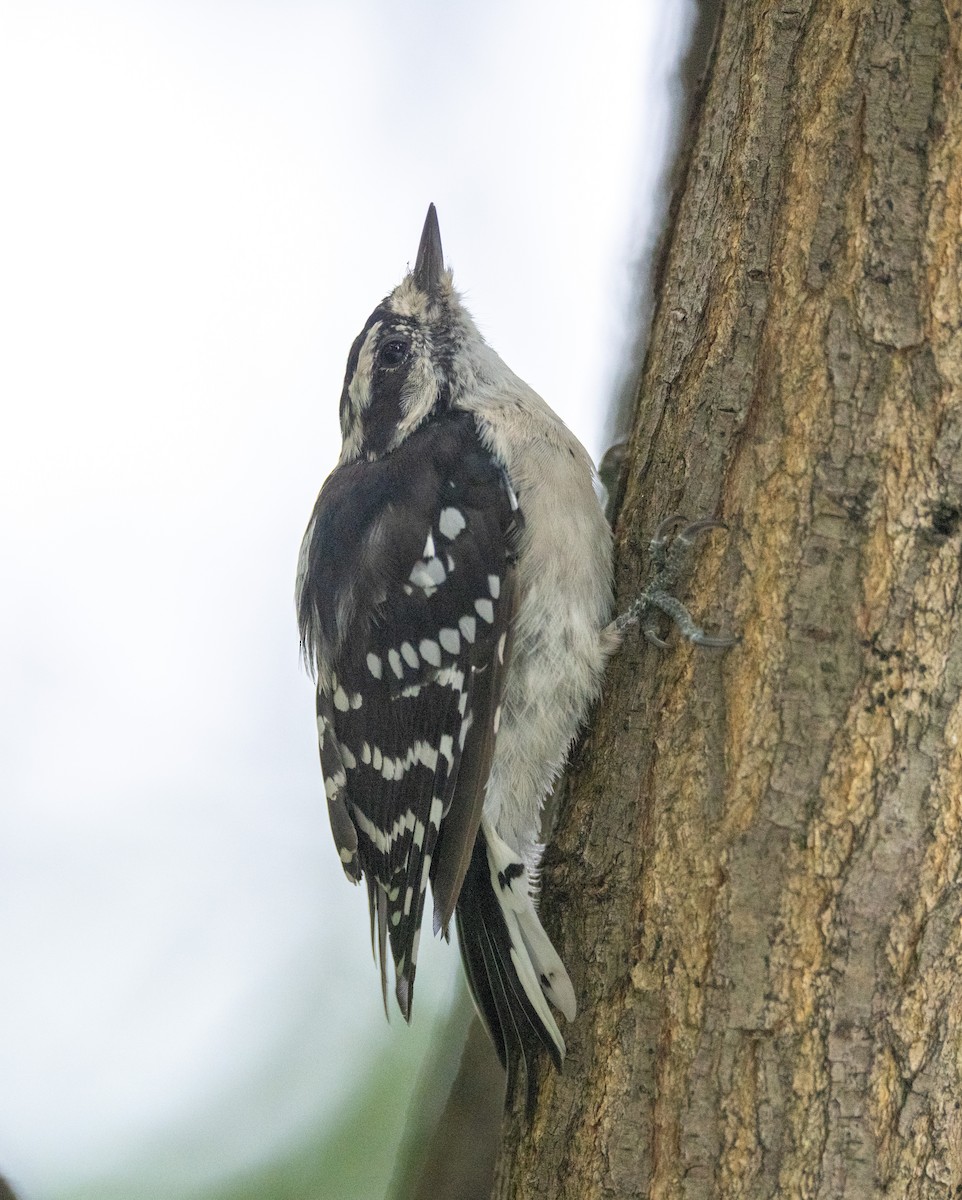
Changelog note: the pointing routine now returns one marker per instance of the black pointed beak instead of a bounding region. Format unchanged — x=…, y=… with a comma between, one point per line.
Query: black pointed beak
x=430, y=261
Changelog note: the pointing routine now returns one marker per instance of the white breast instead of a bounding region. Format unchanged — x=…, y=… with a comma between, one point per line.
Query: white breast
x=560, y=646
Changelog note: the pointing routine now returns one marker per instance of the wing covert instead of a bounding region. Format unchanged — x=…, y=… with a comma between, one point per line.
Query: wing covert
x=406, y=603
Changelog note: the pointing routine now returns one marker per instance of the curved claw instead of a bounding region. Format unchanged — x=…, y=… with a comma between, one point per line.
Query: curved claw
x=722, y=641
x=696, y=528
x=664, y=528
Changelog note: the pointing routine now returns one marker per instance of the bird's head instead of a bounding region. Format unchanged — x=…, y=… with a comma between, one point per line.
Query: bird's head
x=411, y=359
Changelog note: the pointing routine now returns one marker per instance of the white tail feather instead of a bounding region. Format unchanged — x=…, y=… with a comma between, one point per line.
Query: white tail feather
x=537, y=963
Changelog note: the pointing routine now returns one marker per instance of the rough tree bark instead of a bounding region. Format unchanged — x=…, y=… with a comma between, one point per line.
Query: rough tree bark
x=755, y=879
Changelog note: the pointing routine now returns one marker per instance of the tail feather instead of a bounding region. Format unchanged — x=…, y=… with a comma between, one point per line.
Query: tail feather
x=552, y=978
x=509, y=961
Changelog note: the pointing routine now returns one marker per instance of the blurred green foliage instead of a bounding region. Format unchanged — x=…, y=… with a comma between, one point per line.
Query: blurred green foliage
x=354, y=1159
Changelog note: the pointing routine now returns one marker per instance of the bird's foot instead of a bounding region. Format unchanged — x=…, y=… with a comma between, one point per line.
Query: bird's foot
x=670, y=552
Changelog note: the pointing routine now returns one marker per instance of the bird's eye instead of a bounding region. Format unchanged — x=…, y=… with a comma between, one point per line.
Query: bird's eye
x=393, y=353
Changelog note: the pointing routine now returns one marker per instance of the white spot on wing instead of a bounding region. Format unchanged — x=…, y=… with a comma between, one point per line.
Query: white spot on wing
x=427, y=574
x=384, y=839
x=410, y=655
x=430, y=651
x=450, y=677
x=419, y=575
x=494, y=586
x=485, y=610
x=341, y=702
x=451, y=522
x=468, y=627
x=395, y=660
x=374, y=665
x=450, y=640
x=334, y=783
x=435, y=569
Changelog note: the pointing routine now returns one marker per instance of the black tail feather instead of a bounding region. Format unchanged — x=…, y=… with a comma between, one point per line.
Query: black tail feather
x=512, y=1022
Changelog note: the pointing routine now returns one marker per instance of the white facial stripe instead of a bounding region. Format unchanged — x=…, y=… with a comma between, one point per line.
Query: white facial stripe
x=359, y=389
x=419, y=396
x=359, y=396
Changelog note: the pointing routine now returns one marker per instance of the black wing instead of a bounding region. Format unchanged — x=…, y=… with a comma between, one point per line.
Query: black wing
x=407, y=595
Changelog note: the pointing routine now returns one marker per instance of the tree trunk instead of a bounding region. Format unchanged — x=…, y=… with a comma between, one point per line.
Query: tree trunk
x=755, y=879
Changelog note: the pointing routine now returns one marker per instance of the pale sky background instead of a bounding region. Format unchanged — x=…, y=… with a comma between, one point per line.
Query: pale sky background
x=201, y=203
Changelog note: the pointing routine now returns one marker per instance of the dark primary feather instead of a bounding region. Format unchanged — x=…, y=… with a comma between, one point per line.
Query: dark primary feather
x=405, y=612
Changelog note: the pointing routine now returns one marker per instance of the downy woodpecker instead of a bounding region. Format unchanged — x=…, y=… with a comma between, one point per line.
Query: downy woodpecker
x=453, y=595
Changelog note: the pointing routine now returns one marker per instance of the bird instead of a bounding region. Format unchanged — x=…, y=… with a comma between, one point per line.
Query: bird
x=454, y=594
